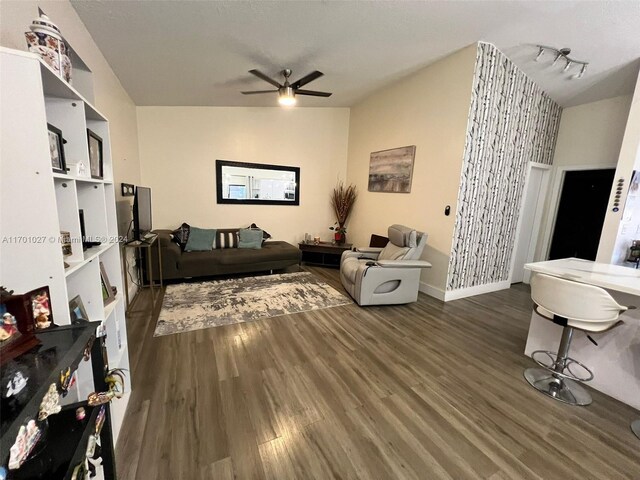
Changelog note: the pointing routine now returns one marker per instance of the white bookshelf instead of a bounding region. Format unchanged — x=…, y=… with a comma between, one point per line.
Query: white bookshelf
x=36, y=204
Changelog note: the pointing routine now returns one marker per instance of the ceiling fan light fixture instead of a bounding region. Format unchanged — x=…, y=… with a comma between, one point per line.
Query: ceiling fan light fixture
x=286, y=97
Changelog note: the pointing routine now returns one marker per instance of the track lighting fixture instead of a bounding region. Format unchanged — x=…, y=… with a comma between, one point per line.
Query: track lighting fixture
x=562, y=54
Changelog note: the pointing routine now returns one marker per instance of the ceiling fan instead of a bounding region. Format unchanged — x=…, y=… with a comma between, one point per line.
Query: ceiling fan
x=287, y=92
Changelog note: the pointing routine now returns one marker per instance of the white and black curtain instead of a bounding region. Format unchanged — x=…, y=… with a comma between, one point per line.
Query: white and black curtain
x=511, y=122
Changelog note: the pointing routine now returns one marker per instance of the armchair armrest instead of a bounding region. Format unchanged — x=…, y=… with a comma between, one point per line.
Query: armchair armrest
x=368, y=250
x=403, y=264
x=357, y=254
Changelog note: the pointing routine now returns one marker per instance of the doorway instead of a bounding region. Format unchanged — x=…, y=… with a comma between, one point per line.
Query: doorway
x=529, y=223
x=581, y=211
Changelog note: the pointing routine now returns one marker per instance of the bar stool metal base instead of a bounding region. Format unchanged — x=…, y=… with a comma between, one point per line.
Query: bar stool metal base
x=635, y=427
x=562, y=389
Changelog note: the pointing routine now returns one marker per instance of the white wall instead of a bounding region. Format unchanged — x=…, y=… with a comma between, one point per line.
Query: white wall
x=628, y=160
x=590, y=136
x=429, y=109
x=179, y=147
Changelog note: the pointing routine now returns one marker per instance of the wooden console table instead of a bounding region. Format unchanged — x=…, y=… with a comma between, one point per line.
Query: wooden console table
x=324, y=253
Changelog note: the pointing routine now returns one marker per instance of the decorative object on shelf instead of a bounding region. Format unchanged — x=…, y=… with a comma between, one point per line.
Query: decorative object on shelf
x=128, y=189
x=50, y=404
x=562, y=54
x=56, y=149
x=340, y=233
x=342, y=200
x=115, y=383
x=86, y=354
x=81, y=413
x=65, y=380
x=107, y=292
x=81, y=169
x=41, y=307
x=77, y=311
x=14, y=381
x=32, y=310
x=8, y=328
x=15, y=333
x=80, y=471
x=392, y=170
x=65, y=240
x=96, y=164
x=27, y=437
x=316, y=240
x=45, y=40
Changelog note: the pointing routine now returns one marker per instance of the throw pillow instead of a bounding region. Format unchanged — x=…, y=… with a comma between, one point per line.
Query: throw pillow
x=227, y=238
x=265, y=235
x=181, y=235
x=250, y=238
x=200, y=240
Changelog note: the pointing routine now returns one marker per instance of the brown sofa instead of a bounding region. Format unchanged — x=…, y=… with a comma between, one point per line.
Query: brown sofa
x=176, y=264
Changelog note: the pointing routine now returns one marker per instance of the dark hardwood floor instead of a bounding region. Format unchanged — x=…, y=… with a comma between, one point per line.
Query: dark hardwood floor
x=427, y=390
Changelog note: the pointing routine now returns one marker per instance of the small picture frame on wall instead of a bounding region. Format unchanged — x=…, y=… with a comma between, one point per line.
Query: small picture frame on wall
x=107, y=292
x=56, y=149
x=96, y=161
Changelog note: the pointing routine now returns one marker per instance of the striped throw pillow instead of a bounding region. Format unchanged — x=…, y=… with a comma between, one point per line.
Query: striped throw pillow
x=227, y=238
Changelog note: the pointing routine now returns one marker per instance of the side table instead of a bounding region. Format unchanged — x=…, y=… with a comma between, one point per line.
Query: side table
x=326, y=254
x=139, y=245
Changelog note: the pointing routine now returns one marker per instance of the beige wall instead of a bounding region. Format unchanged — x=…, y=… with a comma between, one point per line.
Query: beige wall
x=591, y=134
x=179, y=147
x=110, y=97
x=428, y=109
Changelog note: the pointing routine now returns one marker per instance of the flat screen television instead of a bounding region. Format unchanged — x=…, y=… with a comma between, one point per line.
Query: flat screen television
x=142, y=224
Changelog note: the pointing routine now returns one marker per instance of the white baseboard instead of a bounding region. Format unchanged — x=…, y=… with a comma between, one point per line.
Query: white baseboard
x=432, y=291
x=477, y=290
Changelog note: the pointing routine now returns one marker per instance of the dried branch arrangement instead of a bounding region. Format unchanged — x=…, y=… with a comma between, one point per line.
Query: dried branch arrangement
x=342, y=200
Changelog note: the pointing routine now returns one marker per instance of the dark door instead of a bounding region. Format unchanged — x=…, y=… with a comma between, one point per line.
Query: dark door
x=583, y=205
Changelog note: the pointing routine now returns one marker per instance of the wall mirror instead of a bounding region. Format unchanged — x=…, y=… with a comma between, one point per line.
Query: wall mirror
x=257, y=183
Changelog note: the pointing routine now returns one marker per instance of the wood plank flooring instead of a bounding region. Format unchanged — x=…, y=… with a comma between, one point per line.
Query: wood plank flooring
x=421, y=391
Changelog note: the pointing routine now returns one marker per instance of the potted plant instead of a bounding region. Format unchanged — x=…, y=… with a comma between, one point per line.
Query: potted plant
x=342, y=200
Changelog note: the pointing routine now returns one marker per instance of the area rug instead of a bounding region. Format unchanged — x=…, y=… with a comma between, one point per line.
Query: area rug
x=194, y=306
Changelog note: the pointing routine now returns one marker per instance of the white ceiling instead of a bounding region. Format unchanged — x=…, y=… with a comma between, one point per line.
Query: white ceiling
x=198, y=53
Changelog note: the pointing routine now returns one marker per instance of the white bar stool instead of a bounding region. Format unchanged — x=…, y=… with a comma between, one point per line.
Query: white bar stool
x=575, y=306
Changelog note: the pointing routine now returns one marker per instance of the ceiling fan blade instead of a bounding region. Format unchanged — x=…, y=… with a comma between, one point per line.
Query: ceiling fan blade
x=306, y=79
x=313, y=93
x=253, y=92
x=261, y=75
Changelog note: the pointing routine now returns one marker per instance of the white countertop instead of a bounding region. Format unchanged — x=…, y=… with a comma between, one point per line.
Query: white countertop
x=612, y=277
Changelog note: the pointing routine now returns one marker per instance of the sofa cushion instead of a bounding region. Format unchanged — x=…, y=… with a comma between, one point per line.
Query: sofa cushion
x=265, y=235
x=250, y=238
x=227, y=238
x=181, y=235
x=270, y=252
x=200, y=240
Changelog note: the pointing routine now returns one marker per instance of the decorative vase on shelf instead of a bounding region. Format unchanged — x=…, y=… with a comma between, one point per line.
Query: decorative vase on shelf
x=45, y=40
x=340, y=238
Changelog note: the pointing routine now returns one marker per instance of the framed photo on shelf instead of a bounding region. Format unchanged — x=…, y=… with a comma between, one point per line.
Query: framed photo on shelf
x=56, y=149
x=107, y=292
x=77, y=311
x=96, y=162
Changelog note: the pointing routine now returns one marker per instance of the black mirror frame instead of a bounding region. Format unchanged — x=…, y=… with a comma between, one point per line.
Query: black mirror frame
x=251, y=201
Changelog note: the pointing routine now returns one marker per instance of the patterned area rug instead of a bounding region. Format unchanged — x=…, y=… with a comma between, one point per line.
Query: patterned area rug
x=194, y=306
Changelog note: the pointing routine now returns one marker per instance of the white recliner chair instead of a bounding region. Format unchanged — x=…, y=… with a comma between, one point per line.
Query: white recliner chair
x=389, y=275
x=575, y=306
